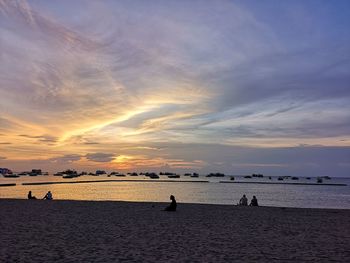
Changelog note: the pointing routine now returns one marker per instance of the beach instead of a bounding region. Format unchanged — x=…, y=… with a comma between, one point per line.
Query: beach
x=96, y=231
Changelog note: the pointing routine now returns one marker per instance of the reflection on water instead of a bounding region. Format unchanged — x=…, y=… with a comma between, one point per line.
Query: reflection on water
x=187, y=192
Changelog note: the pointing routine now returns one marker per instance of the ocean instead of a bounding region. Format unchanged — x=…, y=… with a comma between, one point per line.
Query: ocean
x=206, y=190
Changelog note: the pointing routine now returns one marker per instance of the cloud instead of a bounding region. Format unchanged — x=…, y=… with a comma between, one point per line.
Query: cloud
x=223, y=73
x=68, y=158
x=41, y=138
x=100, y=157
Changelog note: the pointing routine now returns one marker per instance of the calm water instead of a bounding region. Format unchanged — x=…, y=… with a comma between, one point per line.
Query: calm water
x=315, y=196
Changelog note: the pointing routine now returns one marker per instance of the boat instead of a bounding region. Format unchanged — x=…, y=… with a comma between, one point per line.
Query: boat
x=153, y=175
x=232, y=178
x=247, y=176
x=35, y=172
x=166, y=173
x=215, y=175
x=11, y=175
x=319, y=180
x=69, y=174
x=133, y=174
x=66, y=176
x=280, y=178
x=174, y=176
x=195, y=175
x=295, y=178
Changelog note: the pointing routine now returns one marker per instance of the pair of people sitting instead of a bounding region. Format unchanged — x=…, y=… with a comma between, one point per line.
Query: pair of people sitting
x=48, y=196
x=244, y=201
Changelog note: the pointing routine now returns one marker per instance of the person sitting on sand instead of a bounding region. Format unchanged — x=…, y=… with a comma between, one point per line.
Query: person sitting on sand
x=48, y=196
x=243, y=201
x=254, y=201
x=30, y=196
x=172, y=206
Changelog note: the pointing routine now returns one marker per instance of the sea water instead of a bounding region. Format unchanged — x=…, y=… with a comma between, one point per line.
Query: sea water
x=186, y=190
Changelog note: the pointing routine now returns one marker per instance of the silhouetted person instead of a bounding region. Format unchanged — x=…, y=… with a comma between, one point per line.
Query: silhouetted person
x=48, y=196
x=243, y=201
x=173, y=205
x=30, y=196
x=254, y=201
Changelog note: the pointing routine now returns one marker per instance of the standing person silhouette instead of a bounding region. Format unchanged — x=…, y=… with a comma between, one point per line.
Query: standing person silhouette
x=173, y=204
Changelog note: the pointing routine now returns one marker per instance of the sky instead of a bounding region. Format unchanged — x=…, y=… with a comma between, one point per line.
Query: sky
x=238, y=87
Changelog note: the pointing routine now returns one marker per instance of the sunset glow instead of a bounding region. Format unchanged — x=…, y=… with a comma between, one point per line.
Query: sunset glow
x=175, y=85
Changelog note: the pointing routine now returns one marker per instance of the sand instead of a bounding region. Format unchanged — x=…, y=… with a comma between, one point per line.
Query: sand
x=81, y=231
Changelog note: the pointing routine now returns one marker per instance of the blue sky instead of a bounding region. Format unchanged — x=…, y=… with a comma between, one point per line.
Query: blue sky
x=229, y=86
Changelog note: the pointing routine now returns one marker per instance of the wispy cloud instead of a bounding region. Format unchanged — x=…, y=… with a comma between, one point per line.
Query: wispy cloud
x=117, y=76
x=100, y=157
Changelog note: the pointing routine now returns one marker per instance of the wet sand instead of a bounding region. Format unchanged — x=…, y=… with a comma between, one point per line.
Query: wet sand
x=81, y=231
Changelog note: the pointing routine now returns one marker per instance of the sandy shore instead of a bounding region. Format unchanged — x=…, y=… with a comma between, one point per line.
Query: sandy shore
x=76, y=231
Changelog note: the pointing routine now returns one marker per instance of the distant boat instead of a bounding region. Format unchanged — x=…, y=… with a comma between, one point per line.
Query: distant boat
x=174, y=176
x=247, y=176
x=232, y=178
x=295, y=178
x=11, y=175
x=166, y=173
x=68, y=176
x=153, y=175
x=187, y=174
x=215, y=175
x=195, y=175
x=280, y=178
x=257, y=175
x=133, y=174
x=35, y=172
x=319, y=180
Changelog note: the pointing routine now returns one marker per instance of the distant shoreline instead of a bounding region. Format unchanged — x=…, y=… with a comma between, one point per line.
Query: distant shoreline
x=320, y=184
x=170, y=181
